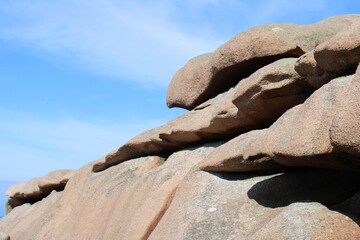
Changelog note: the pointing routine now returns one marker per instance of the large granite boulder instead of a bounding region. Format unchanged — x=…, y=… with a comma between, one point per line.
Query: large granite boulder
x=335, y=57
x=340, y=53
x=188, y=84
x=206, y=76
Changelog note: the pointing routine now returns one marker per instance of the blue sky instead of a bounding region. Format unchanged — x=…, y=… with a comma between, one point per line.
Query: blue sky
x=80, y=77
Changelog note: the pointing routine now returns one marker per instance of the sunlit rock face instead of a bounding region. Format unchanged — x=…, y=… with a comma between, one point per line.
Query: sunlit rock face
x=270, y=149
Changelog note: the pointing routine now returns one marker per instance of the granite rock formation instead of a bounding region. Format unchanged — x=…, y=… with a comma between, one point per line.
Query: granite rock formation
x=271, y=90
x=4, y=236
x=322, y=132
x=269, y=150
x=208, y=75
x=37, y=188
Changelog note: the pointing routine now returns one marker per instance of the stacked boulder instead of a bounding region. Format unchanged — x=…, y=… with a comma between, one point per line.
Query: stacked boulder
x=269, y=149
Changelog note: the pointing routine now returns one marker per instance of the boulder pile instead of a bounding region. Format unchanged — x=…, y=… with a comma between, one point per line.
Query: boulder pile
x=270, y=149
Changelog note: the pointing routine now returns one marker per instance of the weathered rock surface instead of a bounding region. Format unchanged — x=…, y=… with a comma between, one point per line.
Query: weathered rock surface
x=275, y=157
x=149, y=198
x=37, y=188
x=337, y=56
x=340, y=53
x=254, y=103
x=26, y=221
x=290, y=205
x=4, y=236
x=123, y=202
x=206, y=76
x=322, y=132
x=307, y=67
x=188, y=84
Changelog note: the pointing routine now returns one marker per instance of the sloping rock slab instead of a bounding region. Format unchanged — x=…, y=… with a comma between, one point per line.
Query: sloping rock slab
x=255, y=102
x=25, y=221
x=278, y=205
x=123, y=202
x=322, y=132
x=149, y=198
x=206, y=76
x=4, y=236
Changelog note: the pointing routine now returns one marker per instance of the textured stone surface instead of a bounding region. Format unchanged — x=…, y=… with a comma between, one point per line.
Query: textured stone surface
x=255, y=102
x=345, y=126
x=307, y=67
x=322, y=132
x=148, y=198
x=341, y=53
x=187, y=86
x=37, y=188
x=123, y=202
x=290, y=205
x=206, y=76
x=4, y=236
x=338, y=56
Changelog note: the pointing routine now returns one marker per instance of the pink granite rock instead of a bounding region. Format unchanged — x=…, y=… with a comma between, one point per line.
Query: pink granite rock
x=254, y=103
x=335, y=57
x=322, y=132
x=278, y=205
x=208, y=75
x=37, y=188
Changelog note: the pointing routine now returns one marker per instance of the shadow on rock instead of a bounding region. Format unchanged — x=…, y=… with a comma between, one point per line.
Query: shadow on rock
x=337, y=190
x=327, y=187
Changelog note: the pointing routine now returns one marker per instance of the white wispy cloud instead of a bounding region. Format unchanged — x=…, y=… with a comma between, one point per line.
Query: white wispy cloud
x=145, y=41
x=132, y=40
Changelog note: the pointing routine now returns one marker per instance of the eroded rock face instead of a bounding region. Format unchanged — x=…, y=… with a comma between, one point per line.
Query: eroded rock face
x=123, y=202
x=37, y=188
x=188, y=84
x=206, y=76
x=340, y=55
x=254, y=103
x=308, y=67
x=149, y=198
x=27, y=220
x=322, y=132
x=4, y=236
x=278, y=205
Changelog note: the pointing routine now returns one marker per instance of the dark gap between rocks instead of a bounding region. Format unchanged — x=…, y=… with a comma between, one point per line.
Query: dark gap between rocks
x=18, y=201
x=337, y=190
x=230, y=76
x=328, y=187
